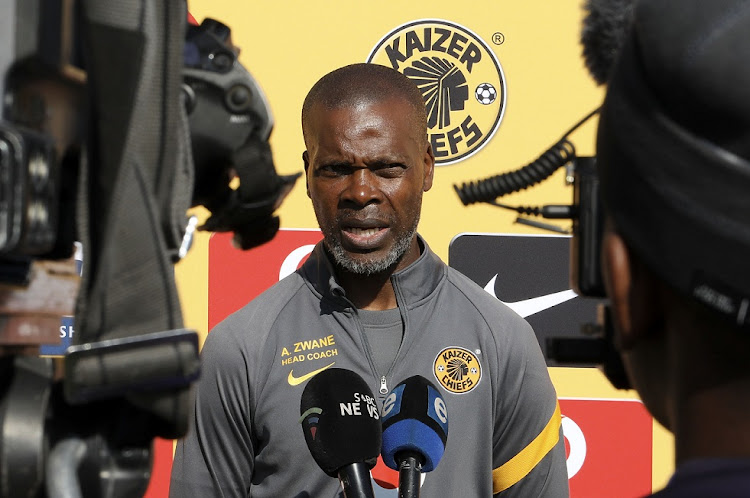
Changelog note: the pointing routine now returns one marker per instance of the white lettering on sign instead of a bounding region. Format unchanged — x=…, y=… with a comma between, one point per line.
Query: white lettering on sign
x=577, y=444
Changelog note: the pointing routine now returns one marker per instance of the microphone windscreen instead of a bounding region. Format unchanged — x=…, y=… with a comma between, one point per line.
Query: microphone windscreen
x=605, y=25
x=415, y=419
x=340, y=420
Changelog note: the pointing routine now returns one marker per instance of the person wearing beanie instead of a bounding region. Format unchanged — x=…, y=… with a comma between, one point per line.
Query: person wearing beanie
x=673, y=156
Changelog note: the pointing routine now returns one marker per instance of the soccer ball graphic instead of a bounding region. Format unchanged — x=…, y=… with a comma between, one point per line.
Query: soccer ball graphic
x=485, y=93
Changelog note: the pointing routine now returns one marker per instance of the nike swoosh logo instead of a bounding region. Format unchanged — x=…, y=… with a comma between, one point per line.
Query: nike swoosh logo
x=295, y=381
x=528, y=307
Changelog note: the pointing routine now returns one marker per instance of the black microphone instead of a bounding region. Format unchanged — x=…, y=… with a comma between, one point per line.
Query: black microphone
x=341, y=423
x=415, y=428
x=604, y=27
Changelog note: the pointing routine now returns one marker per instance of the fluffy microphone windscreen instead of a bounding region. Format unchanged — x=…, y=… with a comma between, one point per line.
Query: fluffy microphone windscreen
x=340, y=420
x=415, y=419
x=604, y=27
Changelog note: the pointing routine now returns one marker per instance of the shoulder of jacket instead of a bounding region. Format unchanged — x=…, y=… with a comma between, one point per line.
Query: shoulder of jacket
x=260, y=313
x=494, y=311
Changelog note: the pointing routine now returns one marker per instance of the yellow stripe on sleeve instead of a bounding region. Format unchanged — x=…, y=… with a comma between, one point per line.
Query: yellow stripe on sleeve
x=520, y=465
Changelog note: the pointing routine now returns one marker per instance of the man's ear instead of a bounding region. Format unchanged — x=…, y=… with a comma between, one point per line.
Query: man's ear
x=429, y=168
x=632, y=290
x=306, y=161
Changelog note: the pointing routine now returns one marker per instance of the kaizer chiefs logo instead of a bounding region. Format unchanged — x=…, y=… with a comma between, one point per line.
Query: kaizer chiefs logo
x=458, y=370
x=460, y=78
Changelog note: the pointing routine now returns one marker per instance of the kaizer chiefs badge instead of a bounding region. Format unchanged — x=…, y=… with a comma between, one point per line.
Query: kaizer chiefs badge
x=460, y=78
x=458, y=370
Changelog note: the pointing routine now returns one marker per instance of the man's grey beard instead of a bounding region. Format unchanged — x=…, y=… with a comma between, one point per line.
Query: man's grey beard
x=374, y=266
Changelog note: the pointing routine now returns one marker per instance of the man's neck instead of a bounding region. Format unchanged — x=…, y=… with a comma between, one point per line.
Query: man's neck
x=713, y=423
x=375, y=292
x=372, y=292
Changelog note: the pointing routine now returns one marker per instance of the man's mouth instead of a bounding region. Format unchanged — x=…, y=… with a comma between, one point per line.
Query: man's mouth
x=364, y=231
x=364, y=238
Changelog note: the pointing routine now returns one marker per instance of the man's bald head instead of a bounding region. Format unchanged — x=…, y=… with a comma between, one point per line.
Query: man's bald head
x=363, y=83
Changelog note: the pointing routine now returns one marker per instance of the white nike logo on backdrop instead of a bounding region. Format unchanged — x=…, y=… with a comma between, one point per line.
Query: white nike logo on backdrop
x=528, y=307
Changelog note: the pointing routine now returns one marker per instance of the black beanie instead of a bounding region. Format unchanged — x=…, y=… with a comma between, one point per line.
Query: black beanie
x=673, y=147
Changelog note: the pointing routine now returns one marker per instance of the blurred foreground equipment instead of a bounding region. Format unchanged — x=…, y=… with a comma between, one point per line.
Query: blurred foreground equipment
x=117, y=118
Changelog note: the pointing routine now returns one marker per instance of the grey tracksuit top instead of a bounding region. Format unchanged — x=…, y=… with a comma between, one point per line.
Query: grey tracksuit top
x=245, y=437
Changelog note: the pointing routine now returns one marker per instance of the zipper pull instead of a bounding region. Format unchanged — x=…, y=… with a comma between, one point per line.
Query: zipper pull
x=383, y=386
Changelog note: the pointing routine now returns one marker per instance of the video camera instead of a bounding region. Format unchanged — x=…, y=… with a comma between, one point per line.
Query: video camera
x=596, y=348
x=117, y=117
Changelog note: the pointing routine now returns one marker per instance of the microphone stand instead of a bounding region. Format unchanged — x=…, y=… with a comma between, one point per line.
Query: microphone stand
x=409, y=474
x=355, y=479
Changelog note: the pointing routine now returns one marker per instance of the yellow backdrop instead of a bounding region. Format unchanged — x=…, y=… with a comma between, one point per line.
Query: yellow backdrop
x=287, y=46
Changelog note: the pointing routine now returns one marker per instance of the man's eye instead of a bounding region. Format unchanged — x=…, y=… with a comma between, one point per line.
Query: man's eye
x=390, y=170
x=335, y=169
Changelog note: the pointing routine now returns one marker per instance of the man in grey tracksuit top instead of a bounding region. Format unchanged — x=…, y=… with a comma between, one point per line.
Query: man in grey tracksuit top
x=366, y=170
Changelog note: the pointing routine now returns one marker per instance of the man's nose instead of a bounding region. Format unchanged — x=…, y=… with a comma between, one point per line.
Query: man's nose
x=362, y=188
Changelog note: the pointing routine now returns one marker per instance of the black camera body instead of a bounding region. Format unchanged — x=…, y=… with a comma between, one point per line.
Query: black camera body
x=30, y=192
x=588, y=226
x=40, y=133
